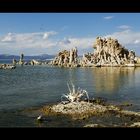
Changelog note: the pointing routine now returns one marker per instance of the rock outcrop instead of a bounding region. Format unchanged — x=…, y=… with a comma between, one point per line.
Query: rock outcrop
x=21, y=60
x=109, y=52
x=66, y=58
x=84, y=110
x=34, y=62
x=7, y=66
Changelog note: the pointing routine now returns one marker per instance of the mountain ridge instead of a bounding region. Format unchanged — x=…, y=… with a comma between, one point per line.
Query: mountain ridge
x=42, y=56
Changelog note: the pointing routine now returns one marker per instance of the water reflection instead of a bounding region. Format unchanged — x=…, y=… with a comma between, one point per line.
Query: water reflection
x=112, y=79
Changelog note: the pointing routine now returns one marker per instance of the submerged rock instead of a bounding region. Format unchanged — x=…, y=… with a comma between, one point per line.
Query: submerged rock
x=7, y=66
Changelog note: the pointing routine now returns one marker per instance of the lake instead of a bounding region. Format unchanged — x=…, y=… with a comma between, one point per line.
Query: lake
x=35, y=86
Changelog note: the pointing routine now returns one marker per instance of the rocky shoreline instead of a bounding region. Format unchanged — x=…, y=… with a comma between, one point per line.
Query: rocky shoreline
x=84, y=111
x=78, y=107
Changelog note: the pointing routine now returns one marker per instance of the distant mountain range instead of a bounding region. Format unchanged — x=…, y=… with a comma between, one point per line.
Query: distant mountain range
x=40, y=57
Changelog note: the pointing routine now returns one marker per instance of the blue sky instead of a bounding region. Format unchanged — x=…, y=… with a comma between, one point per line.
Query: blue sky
x=39, y=33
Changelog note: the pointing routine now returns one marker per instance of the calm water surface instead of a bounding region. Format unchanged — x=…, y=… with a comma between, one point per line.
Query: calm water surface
x=34, y=86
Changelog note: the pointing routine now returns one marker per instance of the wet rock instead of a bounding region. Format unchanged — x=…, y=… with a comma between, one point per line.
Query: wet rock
x=99, y=100
x=136, y=124
x=93, y=125
x=7, y=66
x=83, y=110
x=35, y=62
x=14, y=62
x=86, y=112
x=77, y=107
x=80, y=110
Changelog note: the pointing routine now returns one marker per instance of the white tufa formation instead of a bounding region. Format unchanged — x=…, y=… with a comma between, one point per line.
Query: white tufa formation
x=75, y=96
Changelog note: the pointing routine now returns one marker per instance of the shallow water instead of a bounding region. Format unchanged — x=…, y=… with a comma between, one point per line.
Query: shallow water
x=34, y=86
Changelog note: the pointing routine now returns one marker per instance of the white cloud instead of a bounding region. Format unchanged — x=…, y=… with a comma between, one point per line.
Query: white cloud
x=7, y=38
x=124, y=27
x=80, y=43
x=129, y=39
x=126, y=37
x=108, y=17
x=17, y=42
x=137, y=41
x=44, y=42
x=48, y=34
x=26, y=37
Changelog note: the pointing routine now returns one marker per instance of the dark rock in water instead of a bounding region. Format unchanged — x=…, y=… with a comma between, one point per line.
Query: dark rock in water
x=136, y=124
x=7, y=66
x=98, y=65
x=99, y=100
x=41, y=118
x=94, y=125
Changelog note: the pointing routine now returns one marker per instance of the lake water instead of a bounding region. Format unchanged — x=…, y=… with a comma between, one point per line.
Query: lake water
x=34, y=86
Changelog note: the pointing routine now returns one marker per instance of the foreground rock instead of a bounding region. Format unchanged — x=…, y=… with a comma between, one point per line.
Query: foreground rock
x=79, y=110
x=94, y=125
x=84, y=110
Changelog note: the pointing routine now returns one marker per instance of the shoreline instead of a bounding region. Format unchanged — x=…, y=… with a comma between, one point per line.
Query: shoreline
x=96, y=113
